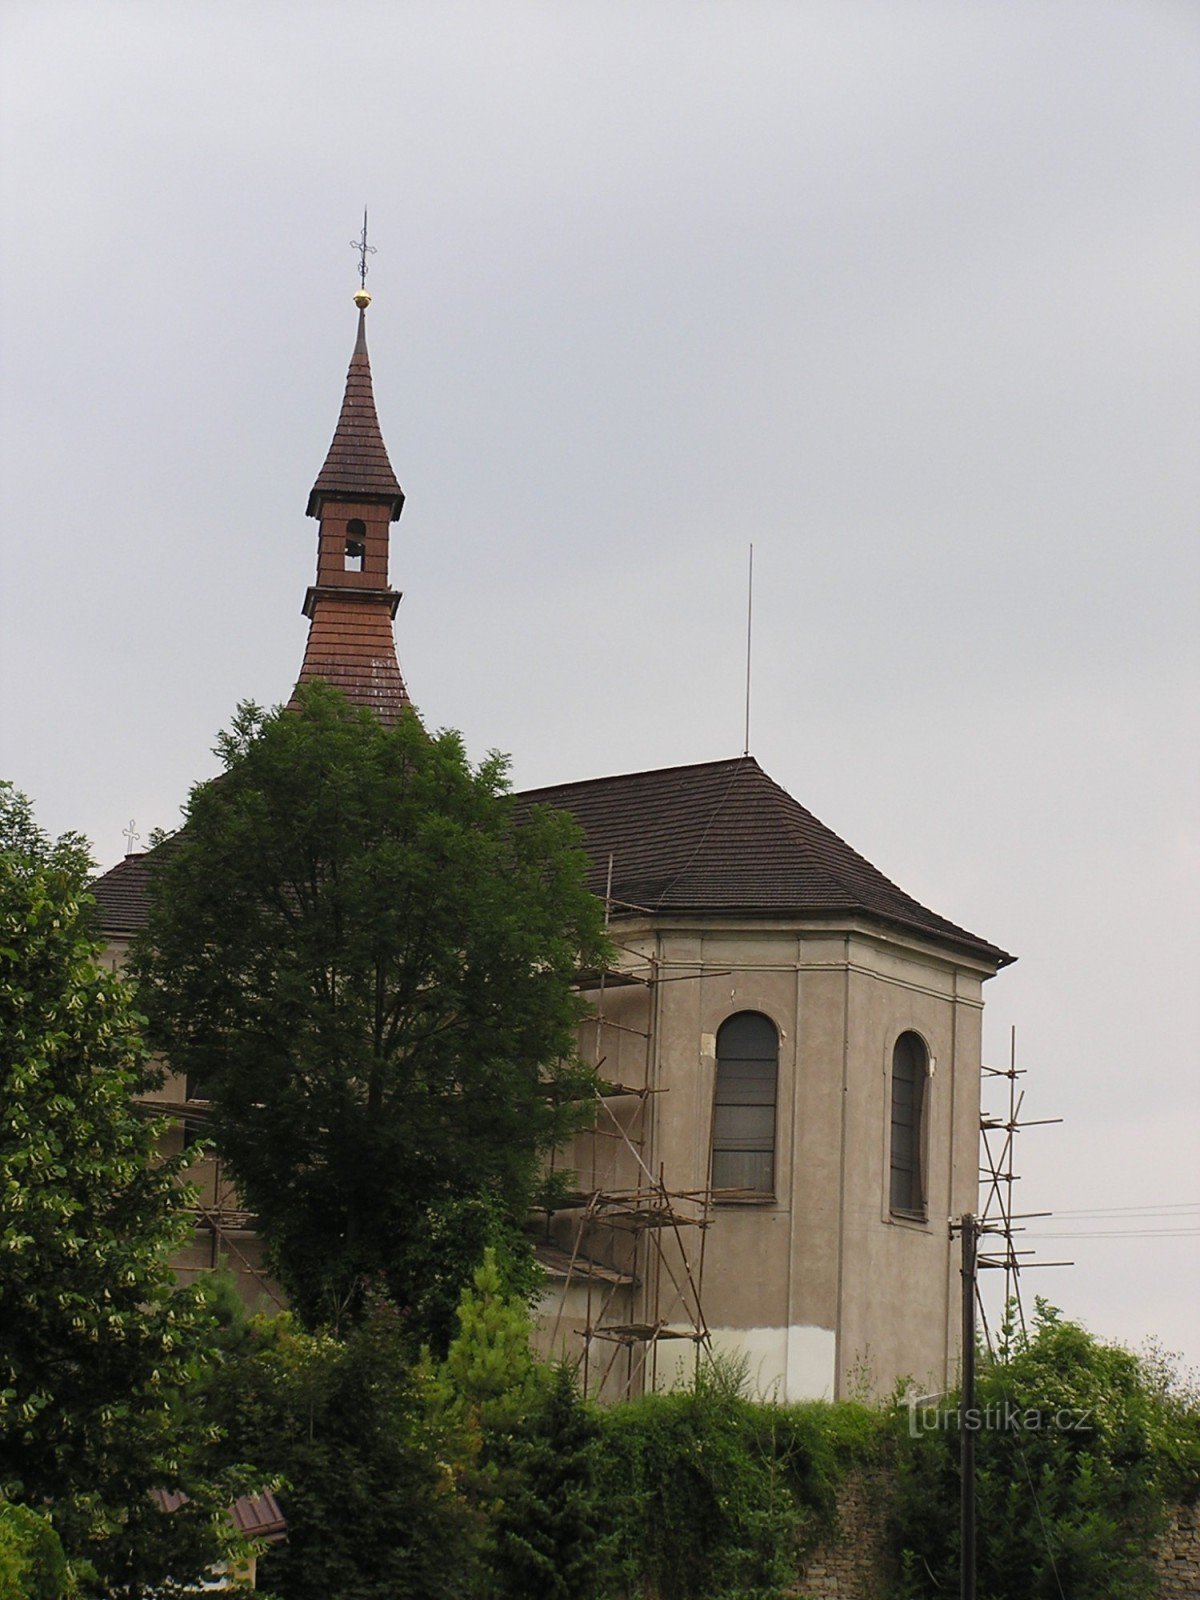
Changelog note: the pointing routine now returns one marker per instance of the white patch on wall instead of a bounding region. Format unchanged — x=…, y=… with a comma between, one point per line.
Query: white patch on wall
x=708, y=1045
x=782, y=1364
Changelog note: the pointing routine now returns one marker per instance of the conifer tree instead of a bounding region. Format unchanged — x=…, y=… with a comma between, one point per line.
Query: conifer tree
x=489, y=1364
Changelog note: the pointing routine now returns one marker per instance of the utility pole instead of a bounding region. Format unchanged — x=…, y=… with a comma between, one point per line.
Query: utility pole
x=967, y=1419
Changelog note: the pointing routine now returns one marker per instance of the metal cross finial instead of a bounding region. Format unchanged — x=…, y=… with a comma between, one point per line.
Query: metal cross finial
x=364, y=250
x=131, y=836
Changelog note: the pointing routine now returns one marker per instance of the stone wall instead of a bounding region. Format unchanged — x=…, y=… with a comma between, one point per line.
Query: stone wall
x=1177, y=1555
x=853, y=1565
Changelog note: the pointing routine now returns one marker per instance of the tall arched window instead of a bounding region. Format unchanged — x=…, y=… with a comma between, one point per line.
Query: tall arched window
x=910, y=1065
x=743, y=1153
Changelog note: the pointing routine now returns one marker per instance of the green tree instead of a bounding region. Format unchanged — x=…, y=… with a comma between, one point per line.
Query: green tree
x=97, y=1345
x=489, y=1367
x=546, y=1533
x=1079, y=1448
x=363, y=949
x=32, y=1563
x=344, y=1424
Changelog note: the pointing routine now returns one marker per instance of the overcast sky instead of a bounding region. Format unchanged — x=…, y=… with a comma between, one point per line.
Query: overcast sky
x=905, y=293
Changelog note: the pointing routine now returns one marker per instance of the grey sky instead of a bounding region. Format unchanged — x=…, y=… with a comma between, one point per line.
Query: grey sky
x=906, y=293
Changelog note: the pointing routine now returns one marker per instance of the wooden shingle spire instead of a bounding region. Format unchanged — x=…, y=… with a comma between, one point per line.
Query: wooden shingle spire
x=357, y=466
x=351, y=605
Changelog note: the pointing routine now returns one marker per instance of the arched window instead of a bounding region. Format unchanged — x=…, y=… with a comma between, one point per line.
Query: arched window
x=910, y=1065
x=356, y=548
x=743, y=1153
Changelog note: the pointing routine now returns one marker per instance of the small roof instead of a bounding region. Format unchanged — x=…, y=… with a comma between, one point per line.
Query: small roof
x=357, y=466
x=255, y=1516
x=721, y=838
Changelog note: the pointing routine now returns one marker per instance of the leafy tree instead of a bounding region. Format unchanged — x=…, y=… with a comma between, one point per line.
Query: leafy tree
x=363, y=949
x=97, y=1346
x=32, y=1563
x=371, y=1502
x=1079, y=1446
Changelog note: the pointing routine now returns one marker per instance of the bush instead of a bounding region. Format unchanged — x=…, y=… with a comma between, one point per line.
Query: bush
x=371, y=1502
x=714, y=1497
x=1081, y=1447
x=32, y=1564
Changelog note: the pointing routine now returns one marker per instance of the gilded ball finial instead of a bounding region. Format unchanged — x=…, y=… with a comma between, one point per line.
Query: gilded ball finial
x=362, y=299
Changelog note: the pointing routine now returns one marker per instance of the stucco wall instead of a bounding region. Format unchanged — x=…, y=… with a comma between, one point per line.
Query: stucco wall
x=819, y=1287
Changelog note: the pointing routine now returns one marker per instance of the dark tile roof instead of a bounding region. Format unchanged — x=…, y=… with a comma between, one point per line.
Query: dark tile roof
x=357, y=466
x=123, y=896
x=256, y=1516
x=722, y=838
x=717, y=839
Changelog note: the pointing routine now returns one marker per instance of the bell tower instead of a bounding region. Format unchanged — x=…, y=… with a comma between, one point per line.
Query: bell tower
x=351, y=605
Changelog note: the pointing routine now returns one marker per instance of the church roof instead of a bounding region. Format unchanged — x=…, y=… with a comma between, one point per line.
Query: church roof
x=357, y=466
x=723, y=839
x=123, y=896
x=717, y=839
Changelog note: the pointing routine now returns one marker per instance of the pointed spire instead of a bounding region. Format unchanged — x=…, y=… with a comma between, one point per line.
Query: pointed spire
x=351, y=605
x=357, y=466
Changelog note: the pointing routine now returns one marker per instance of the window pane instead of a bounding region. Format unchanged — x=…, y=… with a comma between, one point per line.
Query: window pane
x=746, y=1083
x=749, y=1035
x=743, y=1154
x=744, y=1127
x=907, y=1188
x=739, y=1169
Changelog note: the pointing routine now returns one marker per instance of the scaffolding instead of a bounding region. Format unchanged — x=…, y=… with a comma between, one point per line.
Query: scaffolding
x=635, y=1248
x=214, y=1210
x=997, y=1219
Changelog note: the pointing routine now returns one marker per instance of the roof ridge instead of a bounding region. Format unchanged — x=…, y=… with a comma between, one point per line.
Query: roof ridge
x=648, y=772
x=740, y=762
x=790, y=806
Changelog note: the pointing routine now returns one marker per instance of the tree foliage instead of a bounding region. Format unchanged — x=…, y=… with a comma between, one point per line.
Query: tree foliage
x=1079, y=1446
x=97, y=1346
x=32, y=1563
x=344, y=1424
x=547, y=1531
x=362, y=948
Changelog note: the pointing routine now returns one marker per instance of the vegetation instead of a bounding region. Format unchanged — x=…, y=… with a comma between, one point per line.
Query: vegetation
x=32, y=1563
x=714, y=1495
x=341, y=1424
x=98, y=1348
x=1080, y=1447
x=364, y=951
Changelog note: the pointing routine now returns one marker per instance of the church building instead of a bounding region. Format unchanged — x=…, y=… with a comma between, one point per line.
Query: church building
x=789, y=1049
